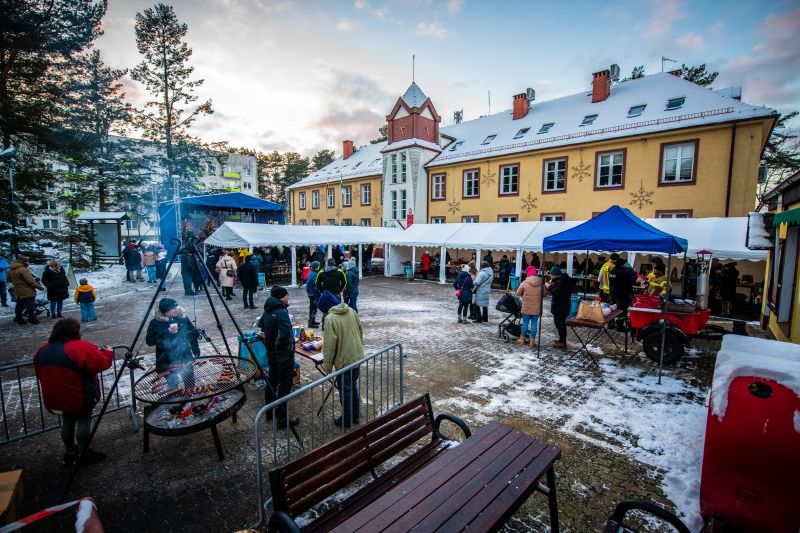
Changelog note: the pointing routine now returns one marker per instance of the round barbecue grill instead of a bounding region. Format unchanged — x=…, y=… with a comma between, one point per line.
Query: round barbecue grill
x=195, y=396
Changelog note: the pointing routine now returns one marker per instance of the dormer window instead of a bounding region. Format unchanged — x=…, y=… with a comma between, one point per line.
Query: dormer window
x=521, y=133
x=636, y=110
x=456, y=145
x=675, y=103
x=545, y=128
x=588, y=119
x=357, y=164
x=489, y=139
x=377, y=160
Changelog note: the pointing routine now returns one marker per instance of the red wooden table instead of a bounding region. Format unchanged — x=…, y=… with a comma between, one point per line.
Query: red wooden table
x=477, y=485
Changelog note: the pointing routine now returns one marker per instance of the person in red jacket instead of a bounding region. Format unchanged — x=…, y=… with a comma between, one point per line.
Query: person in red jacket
x=426, y=264
x=67, y=369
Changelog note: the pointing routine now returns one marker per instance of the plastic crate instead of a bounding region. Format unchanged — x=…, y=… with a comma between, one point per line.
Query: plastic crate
x=690, y=323
x=641, y=318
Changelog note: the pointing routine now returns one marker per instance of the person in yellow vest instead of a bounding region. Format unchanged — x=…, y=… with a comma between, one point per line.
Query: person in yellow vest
x=658, y=283
x=604, y=281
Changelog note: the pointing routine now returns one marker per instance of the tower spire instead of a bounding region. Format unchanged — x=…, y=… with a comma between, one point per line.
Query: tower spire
x=413, y=68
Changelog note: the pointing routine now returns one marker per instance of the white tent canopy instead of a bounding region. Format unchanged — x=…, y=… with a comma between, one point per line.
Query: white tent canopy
x=725, y=238
x=245, y=235
x=427, y=234
x=491, y=235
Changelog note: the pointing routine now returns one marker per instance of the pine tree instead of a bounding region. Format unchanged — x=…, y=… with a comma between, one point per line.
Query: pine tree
x=698, y=75
x=781, y=156
x=322, y=158
x=166, y=74
x=383, y=134
x=296, y=167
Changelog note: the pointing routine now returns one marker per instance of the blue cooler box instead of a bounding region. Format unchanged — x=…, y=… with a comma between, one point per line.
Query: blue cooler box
x=257, y=345
x=575, y=301
x=408, y=271
x=514, y=280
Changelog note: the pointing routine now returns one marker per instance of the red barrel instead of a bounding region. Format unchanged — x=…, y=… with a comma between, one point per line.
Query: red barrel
x=751, y=459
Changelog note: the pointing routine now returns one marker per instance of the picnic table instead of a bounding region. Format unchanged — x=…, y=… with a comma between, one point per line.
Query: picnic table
x=597, y=329
x=315, y=356
x=478, y=485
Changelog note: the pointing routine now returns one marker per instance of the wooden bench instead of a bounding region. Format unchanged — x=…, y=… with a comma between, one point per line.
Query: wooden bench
x=311, y=478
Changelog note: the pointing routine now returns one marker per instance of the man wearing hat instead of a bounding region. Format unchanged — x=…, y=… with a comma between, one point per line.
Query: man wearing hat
x=560, y=288
x=175, y=339
x=25, y=285
x=276, y=332
x=332, y=280
x=313, y=294
x=343, y=345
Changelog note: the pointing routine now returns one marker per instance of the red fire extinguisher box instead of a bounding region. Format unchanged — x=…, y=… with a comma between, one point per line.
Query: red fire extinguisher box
x=751, y=459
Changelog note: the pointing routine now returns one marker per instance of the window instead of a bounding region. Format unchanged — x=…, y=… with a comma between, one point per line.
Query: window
x=210, y=169
x=331, y=221
x=366, y=194
x=438, y=185
x=588, y=119
x=315, y=199
x=472, y=182
x=402, y=167
x=304, y=223
x=676, y=213
x=131, y=224
x=521, y=133
x=675, y=103
x=347, y=196
x=393, y=163
x=545, y=128
x=507, y=218
x=52, y=223
x=315, y=222
x=636, y=110
x=366, y=221
x=552, y=217
x=347, y=222
x=246, y=172
x=48, y=205
x=555, y=175
x=509, y=180
x=783, y=266
x=331, y=197
x=456, y=145
x=471, y=219
x=678, y=163
x=437, y=220
x=399, y=205
x=489, y=139
x=610, y=171
x=301, y=200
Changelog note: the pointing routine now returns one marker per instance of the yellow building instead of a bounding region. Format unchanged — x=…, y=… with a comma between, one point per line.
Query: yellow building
x=659, y=145
x=780, y=312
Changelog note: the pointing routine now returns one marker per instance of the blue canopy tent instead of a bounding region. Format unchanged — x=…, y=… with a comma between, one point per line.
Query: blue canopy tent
x=218, y=208
x=617, y=229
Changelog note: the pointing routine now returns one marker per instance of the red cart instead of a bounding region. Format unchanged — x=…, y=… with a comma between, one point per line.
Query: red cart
x=684, y=322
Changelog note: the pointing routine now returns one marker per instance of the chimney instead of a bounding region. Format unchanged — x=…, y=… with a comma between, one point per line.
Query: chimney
x=347, y=149
x=521, y=106
x=601, y=87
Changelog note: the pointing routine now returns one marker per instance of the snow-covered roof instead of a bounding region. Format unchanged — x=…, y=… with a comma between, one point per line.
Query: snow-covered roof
x=414, y=96
x=243, y=235
x=405, y=143
x=724, y=237
x=103, y=215
x=365, y=161
x=567, y=114
x=427, y=234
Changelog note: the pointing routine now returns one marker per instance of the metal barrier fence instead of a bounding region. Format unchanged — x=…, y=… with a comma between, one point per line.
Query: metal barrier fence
x=24, y=413
x=378, y=379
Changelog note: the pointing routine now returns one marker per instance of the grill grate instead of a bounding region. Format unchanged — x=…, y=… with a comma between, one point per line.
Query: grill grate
x=203, y=378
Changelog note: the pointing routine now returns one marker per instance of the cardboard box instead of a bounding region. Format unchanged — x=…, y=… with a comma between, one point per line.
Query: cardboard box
x=10, y=496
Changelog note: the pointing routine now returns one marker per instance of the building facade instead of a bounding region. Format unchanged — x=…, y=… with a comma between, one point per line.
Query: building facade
x=659, y=145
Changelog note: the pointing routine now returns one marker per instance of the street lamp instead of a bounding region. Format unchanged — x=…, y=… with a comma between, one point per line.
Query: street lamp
x=9, y=154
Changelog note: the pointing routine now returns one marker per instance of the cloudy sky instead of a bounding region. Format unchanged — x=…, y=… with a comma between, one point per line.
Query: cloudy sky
x=304, y=75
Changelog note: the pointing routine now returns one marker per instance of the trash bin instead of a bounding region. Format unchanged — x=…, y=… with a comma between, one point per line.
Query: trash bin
x=408, y=272
x=575, y=301
x=514, y=280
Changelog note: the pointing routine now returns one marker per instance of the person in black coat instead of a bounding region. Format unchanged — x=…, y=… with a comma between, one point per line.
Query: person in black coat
x=248, y=277
x=267, y=259
x=211, y=264
x=276, y=332
x=54, y=279
x=188, y=267
x=175, y=339
x=622, y=278
x=463, y=283
x=560, y=288
x=332, y=280
x=730, y=278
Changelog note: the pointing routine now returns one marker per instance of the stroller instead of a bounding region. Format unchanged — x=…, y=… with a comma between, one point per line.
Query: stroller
x=511, y=325
x=40, y=305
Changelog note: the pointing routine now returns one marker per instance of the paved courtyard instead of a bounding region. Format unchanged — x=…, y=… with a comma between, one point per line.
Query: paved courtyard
x=621, y=433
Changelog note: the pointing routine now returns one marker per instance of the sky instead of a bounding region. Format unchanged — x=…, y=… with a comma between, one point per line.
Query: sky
x=295, y=75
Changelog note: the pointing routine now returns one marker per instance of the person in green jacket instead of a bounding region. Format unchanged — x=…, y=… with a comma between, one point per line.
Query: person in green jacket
x=343, y=345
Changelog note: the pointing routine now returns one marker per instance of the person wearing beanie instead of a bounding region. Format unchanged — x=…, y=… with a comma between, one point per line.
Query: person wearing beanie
x=530, y=291
x=343, y=345
x=332, y=279
x=560, y=288
x=313, y=294
x=175, y=339
x=351, y=289
x=463, y=285
x=248, y=277
x=276, y=332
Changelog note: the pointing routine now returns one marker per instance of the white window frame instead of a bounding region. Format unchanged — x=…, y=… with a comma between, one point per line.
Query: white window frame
x=471, y=219
x=50, y=223
x=438, y=220
x=610, y=164
x=393, y=167
x=366, y=222
x=438, y=185
x=508, y=219
x=330, y=197
x=315, y=222
x=366, y=193
x=315, y=199
x=131, y=224
x=331, y=221
x=552, y=218
x=399, y=205
x=675, y=214
x=551, y=171
x=301, y=199
x=679, y=158
x=403, y=167
x=509, y=175
x=347, y=195
x=303, y=222
x=471, y=181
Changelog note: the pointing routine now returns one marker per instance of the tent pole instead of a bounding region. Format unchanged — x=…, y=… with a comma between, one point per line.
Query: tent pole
x=386, y=252
x=293, y=266
x=443, y=265
x=413, y=261
x=518, y=264
x=570, y=261
x=358, y=261
x=330, y=251
x=684, y=277
x=541, y=310
x=586, y=275
x=664, y=321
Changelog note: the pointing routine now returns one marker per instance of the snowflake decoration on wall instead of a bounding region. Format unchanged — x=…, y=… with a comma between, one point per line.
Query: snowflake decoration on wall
x=581, y=171
x=376, y=211
x=529, y=202
x=642, y=197
x=489, y=177
x=338, y=213
x=454, y=207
